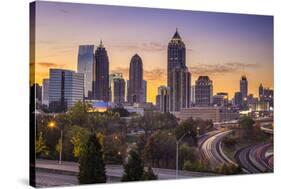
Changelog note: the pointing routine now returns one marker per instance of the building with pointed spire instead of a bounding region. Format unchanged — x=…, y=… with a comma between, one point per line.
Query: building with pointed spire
x=136, y=84
x=179, y=78
x=101, y=74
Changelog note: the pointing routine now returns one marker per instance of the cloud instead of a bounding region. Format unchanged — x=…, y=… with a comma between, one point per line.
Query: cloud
x=145, y=46
x=213, y=69
x=49, y=64
x=152, y=46
x=123, y=70
x=155, y=74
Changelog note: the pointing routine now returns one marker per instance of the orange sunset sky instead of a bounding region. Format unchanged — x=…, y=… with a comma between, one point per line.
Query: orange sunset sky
x=222, y=46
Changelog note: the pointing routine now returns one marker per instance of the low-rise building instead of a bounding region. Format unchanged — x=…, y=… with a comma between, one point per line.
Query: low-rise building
x=216, y=114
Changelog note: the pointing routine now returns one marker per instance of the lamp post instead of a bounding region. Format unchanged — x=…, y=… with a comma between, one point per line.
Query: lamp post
x=177, y=152
x=51, y=125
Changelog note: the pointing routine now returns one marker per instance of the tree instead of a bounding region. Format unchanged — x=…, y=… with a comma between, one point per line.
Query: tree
x=189, y=129
x=149, y=174
x=198, y=166
x=78, y=114
x=78, y=138
x=134, y=169
x=247, y=127
x=187, y=153
x=229, y=169
x=121, y=111
x=40, y=146
x=160, y=150
x=91, y=164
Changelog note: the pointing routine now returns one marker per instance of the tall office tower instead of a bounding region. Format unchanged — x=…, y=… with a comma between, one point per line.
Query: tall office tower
x=180, y=95
x=266, y=95
x=260, y=91
x=244, y=87
x=117, y=88
x=144, y=91
x=203, y=91
x=238, y=100
x=136, y=88
x=101, y=74
x=111, y=76
x=178, y=72
x=45, y=92
x=163, y=98
x=85, y=65
x=65, y=88
x=192, y=95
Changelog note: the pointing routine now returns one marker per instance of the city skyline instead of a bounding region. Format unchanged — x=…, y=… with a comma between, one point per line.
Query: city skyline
x=244, y=43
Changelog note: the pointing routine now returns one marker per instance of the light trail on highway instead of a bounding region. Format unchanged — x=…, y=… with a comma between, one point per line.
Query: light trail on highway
x=256, y=158
x=211, y=149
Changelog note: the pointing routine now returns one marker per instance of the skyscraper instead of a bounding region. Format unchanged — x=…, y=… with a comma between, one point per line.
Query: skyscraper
x=45, y=92
x=238, y=100
x=203, y=91
x=144, y=91
x=118, y=89
x=65, y=88
x=136, y=84
x=192, y=95
x=260, y=91
x=85, y=65
x=180, y=96
x=266, y=95
x=163, y=99
x=101, y=74
x=179, y=78
x=244, y=87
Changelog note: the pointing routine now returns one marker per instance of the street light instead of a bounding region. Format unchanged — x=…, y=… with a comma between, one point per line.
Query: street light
x=177, y=152
x=52, y=124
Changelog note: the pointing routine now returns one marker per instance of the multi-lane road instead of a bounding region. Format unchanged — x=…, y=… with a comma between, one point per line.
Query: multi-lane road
x=210, y=148
x=50, y=173
x=256, y=158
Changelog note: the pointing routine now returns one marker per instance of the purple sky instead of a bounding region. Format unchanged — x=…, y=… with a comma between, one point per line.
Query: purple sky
x=223, y=46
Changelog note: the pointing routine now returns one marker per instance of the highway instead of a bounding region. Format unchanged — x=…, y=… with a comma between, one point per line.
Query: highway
x=46, y=179
x=50, y=173
x=256, y=158
x=210, y=148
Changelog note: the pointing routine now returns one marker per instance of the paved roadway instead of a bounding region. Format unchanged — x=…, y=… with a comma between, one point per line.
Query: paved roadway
x=50, y=173
x=256, y=158
x=210, y=148
x=46, y=179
